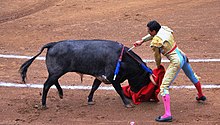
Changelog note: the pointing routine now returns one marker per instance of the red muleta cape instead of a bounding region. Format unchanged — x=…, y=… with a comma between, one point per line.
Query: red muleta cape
x=148, y=92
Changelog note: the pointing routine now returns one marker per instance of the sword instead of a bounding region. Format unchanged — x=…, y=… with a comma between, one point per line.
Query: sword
x=131, y=48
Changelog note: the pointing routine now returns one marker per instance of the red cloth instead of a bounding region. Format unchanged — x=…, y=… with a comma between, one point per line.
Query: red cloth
x=148, y=92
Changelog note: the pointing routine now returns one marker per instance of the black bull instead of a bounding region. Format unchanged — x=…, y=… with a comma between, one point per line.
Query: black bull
x=97, y=58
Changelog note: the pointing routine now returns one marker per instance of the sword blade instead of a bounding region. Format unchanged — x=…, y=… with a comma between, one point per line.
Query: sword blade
x=131, y=48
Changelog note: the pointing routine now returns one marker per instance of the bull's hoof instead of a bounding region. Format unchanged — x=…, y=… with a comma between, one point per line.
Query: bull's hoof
x=91, y=103
x=44, y=107
x=61, y=96
x=130, y=105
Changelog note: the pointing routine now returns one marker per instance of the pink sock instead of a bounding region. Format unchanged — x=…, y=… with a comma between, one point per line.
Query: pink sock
x=166, y=102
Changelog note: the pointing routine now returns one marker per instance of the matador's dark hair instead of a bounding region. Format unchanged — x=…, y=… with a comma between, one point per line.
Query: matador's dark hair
x=153, y=25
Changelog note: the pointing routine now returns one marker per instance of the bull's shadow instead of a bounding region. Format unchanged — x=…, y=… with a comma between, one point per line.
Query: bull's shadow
x=98, y=58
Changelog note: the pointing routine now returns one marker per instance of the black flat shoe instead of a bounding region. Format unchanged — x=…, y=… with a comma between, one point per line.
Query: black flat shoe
x=202, y=98
x=167, y=119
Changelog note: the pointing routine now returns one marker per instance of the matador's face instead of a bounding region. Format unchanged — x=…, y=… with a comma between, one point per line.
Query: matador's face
x=152, y=33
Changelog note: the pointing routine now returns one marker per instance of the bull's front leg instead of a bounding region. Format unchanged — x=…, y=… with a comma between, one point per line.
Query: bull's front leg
x=125, y=100
x=95, y=86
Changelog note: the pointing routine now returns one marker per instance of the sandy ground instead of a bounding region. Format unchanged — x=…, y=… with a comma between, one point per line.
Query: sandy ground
x=26, y=25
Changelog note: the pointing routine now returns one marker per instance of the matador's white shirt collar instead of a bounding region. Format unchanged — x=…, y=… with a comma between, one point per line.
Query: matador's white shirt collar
x=164, y=33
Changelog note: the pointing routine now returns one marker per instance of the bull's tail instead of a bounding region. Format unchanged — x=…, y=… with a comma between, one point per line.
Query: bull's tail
x=24, y=67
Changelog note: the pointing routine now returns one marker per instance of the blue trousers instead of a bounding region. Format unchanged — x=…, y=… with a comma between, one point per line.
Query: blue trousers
x=178, y=61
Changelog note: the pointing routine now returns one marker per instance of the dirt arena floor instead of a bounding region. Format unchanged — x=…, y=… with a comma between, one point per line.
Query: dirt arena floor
x=26, y=25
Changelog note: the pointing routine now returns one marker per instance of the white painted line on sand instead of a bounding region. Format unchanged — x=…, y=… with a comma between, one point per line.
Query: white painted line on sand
x=190, y=60
x=20, y=57
x=101, y=87
x=145, y=60
x=7, y=84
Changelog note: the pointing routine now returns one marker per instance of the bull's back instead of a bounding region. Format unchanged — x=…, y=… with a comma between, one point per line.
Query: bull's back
x=85, y=56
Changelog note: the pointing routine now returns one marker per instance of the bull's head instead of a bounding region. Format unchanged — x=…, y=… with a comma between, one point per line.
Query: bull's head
x=136, y=75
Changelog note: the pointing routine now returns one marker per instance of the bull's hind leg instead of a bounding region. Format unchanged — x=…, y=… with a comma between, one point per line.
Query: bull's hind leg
x=51, y=80
x=60, y=90
x=95, y=86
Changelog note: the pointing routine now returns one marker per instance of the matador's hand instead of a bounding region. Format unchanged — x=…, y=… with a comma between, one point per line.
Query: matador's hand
x=138, y=43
